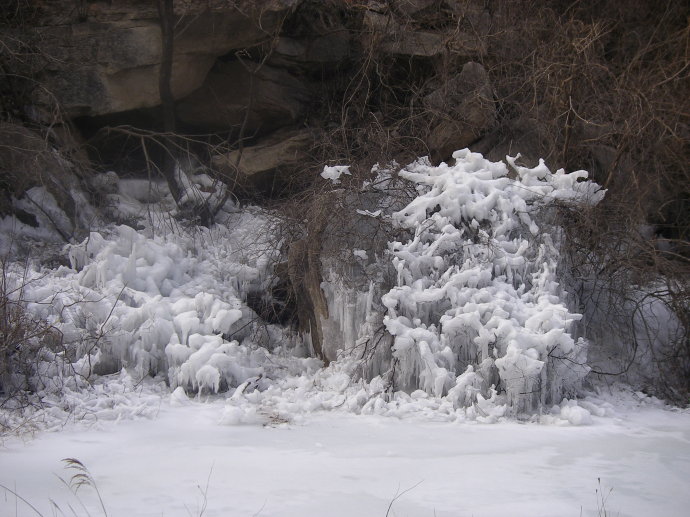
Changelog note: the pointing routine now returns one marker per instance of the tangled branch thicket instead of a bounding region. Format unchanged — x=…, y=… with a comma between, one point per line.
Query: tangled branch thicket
x=26, y=343
x=605, y=87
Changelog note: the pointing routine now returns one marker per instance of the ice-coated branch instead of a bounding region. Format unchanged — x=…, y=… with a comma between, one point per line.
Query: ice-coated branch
x=478, y=305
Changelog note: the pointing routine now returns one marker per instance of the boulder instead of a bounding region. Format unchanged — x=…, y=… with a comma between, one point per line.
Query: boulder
x=284, y=150
x=471, y=16
x=276, y=98
x=462, y=109
x=519, y=135
x=411, y=7
x=415, y=43
x=312, y=53
x=385, y=32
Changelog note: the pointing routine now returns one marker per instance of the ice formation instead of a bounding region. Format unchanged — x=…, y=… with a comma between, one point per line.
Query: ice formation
x=164, y=305
x=477, y=305
x=472, y=323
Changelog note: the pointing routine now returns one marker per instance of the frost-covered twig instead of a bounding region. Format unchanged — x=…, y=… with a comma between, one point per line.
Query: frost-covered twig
x=399, y=494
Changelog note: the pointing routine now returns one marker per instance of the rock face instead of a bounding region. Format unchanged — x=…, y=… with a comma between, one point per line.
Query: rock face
x=312, y=53
x=107, y=60
x=410, y=7
x=401, y=31
x=234, y=95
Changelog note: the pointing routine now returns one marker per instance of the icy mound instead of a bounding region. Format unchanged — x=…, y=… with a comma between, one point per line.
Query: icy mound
x=477, y=292
x=166, y=305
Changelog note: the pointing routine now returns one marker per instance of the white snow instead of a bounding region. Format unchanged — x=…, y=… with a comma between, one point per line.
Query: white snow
x=334, y=172
x=249, y=462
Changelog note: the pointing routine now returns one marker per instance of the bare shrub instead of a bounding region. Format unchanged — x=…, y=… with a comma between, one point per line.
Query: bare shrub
x=635, y=295
x=25, y=343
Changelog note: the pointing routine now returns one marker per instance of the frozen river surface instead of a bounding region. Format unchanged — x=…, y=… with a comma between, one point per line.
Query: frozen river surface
x=183, y=462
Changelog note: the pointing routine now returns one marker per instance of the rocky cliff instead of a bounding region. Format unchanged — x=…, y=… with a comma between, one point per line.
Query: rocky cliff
x=253, y=67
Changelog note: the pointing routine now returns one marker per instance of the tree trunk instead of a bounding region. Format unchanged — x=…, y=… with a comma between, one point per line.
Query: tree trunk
x=166, y=16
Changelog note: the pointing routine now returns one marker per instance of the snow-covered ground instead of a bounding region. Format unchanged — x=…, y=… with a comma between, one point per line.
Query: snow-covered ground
x=186, y=460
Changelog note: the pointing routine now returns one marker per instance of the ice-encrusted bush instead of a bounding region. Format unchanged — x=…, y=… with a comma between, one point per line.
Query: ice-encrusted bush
x=167, y=305
x=172, y=311
x=31, y=351
x=477, y=306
